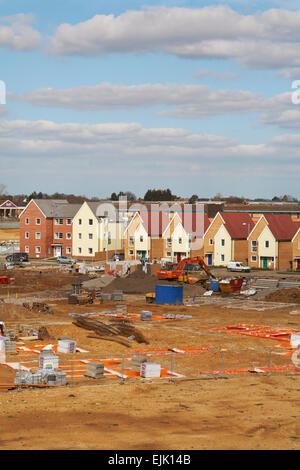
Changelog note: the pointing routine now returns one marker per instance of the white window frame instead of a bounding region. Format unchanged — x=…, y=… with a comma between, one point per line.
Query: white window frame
x=131, y=252
x=79, y=250
x=91, y=222
x=79, y=221
x=267, y=244
x=221, y=241
x=131, y=241
x=211, y=241
x=59, y=221
x=180, y=240
x=253, y=246
x=57, y=235
x=222, y=257
x=37, y=235
x=26, y=249
x=27, y=235
x=68, y=235
x=169, y=253
x=68, y=250
x=253, y=258
x=27, y=221
x=38, y=249
x=90, y=251
x=80, y=236
x=69, y=222
x=141, y=239
x=90, y=236
x=36, y=221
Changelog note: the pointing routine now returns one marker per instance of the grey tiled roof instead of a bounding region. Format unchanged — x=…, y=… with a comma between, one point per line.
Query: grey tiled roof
x=57, y=207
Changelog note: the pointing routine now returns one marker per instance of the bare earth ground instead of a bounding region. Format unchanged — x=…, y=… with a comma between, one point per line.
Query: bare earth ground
x=250, y=411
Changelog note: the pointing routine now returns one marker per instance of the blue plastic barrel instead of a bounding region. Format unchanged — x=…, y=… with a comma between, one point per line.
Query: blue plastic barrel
x=171, y=295
x=214, y=286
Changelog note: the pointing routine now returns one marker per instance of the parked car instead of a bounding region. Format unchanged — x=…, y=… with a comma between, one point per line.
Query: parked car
x=65, y=260
x=237, y=266
x=118, y=257
x=17, y=257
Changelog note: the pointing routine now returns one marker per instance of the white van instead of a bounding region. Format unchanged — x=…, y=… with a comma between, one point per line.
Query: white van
x=237, y=266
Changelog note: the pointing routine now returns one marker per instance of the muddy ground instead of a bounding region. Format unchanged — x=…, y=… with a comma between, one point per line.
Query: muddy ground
x=246, y=411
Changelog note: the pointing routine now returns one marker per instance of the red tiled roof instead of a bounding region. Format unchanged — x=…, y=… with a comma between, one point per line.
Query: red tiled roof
x=237, y=224
x=282, y=226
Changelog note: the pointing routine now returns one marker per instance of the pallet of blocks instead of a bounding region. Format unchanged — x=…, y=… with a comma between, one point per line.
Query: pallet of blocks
x=94, y=370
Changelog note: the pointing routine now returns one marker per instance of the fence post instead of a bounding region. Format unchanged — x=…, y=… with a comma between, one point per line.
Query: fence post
x=122, y=380
x=221, y=376
x=172, y=368
x=269, y=362
x=72, y=373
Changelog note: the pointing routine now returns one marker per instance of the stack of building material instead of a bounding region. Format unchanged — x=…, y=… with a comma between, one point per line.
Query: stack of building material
x=117, y=295
x=95, y=370
x=150, y=370
x=67, y=346
x=48, y=360
x=27, y=377
x=10, y=347
x=121, y=309
x=54, y=377
x=146, y=315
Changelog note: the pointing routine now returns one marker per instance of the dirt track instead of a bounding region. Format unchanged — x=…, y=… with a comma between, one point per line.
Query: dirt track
x=252, y=411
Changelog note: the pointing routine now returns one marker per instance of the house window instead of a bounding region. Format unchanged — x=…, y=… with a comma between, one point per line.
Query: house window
x=37, y=235
x=141, y=238
x=90, y=236
x=169, y=242
x=38, y=221
x=37, y=249
x=69, y=236
x=222, y=257
x=109, y=238
x=222, y=242
x=253, y=258
x=298, y=245
x=26, y=249
x=68, y=250
x=26, y=221
x=79, y=251
x=80, y=236
x=131, y=241
x=90, y=221
x=59, y=221
x=131, y=252
x=180, y=240
x=253, y=245
x=79, y=221
x=211, y=242
x=90, y=250
x=58, y=235
x=267, y=244
x=69, y=221
x=169, y=253
x=26, y=234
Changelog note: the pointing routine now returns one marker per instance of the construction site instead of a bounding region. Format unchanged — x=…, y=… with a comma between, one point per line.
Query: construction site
x=112, y=360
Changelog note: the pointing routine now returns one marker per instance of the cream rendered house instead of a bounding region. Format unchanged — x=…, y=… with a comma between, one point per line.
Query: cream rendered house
x=94, y=233
x=176, y=241
x=137, y=242
x=223, y=247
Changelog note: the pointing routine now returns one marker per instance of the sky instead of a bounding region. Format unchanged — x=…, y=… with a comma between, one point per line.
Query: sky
x=202, y=97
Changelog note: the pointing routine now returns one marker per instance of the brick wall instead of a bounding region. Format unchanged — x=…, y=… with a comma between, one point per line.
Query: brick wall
x=285, y=255
x=240, y=248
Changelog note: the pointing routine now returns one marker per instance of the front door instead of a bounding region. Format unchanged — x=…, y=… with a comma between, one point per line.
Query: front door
x=265, y=263
x=209, y=259
x=298, y=264
x=57, y=251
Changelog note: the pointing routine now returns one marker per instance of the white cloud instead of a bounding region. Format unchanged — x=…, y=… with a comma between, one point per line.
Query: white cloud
x=180, y=101
x=266, y=40
x=17, y=33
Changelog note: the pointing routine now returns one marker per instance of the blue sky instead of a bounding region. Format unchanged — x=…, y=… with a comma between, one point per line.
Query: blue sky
x=194, y=96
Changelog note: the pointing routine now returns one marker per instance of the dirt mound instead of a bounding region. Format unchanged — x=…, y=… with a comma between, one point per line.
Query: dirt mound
x=138, y=282
x=284, y=295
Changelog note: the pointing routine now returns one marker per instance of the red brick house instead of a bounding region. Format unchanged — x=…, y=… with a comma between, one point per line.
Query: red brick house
x=46, y=228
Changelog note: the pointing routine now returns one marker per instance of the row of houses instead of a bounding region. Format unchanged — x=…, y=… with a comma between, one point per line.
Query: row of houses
x=95, y=230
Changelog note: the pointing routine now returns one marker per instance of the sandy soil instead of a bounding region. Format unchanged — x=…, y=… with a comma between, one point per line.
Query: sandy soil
x=250, y=411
